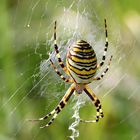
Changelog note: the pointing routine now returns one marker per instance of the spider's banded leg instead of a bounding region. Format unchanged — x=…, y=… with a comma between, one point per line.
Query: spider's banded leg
x=60, y=75
x=95, y=100
x=43, y=118
x=104, y=72
x=60, y=106
x=106, y=46
x=57, y=51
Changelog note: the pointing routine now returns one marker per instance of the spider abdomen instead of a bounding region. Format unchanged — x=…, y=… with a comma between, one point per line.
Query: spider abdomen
x=81, y=62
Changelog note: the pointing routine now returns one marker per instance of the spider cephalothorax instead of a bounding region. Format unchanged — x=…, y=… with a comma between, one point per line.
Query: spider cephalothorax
x=81, y=66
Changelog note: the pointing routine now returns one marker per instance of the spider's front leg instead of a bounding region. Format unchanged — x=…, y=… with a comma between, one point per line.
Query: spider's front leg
x=58, y=108
x=106, y=47
x=59, y=73
x=57, y=52
x=104, y=72
x=95, y=100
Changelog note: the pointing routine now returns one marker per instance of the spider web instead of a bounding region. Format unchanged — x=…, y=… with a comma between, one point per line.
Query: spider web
x=76, y=20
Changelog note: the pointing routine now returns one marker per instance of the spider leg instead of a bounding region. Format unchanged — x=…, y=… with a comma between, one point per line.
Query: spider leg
x=105, y=71
x=106, y=47
x=61, y=105
x=95, y=100
x=59, y=74
x=58, y=108
x=57, y=51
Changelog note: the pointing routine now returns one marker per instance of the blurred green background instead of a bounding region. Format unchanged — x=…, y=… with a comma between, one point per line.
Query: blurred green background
x=26, y=29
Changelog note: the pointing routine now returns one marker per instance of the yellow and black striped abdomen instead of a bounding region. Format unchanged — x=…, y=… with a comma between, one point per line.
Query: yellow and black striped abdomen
x=81, y=62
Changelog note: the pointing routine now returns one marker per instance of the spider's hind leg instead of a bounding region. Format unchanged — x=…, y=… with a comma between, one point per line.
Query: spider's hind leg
x=43, y=118
x=58, y=108
x=95, y=100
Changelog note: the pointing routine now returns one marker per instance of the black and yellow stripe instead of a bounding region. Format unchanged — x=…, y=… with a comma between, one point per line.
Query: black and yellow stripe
x=82, y=62
x=82, y=71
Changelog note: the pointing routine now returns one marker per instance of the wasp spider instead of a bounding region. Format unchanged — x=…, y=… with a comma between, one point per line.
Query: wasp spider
x=81, y=66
